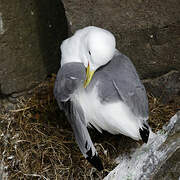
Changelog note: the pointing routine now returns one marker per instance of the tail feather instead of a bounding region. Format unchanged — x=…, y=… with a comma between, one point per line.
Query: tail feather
x=144, y=132
x=96, y=162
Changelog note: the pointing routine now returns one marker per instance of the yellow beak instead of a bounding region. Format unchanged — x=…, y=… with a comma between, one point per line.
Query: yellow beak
x=89, y=75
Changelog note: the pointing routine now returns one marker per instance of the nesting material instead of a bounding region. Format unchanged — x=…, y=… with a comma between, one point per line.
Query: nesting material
x=36, y=141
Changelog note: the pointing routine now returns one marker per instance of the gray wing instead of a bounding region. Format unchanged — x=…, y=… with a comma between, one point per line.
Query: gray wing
x=119, y=80
x=68, y=79
x=76, y=117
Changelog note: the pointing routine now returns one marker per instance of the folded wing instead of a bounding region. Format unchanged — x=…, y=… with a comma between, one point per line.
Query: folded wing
x=68, y=79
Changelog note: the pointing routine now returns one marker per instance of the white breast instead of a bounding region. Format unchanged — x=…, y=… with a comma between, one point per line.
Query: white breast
x=114, y=117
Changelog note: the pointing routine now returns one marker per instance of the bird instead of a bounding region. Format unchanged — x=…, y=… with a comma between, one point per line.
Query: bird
x=98, y=86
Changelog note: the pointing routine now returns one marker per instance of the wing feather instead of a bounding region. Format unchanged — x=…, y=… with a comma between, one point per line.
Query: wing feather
x=130, y=88
x=68, y=79
x=119, y=81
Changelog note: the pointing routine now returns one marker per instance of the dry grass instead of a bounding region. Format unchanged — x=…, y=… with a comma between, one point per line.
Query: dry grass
x=160, y=113
x=37, y=142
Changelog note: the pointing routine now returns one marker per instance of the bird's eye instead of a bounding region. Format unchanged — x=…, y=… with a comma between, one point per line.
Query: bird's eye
x=89, y=53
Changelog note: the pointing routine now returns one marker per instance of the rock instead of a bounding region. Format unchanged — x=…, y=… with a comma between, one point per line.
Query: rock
x=150, y=161
x=30, y=35
x=146, y=31
x=171, y=167
x=172, y=163
x=166, y=87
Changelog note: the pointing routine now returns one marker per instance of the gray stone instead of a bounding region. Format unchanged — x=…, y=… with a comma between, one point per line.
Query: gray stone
x=146, y=31
x=166, y=87
x=30, y=35
x=171, y=169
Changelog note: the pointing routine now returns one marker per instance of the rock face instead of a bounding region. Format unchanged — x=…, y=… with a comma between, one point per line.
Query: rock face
x=171, y=167
x=146, y=31
x=166, y=87
x=30, y=36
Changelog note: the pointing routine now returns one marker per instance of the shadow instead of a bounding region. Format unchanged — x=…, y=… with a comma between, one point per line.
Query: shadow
x=53, y=29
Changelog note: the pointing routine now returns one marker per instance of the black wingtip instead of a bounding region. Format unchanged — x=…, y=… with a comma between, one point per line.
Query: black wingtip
x=144, y=132
x=96, y=162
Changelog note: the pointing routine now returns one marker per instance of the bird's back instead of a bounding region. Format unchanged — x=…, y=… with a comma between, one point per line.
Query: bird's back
x=118, y=80
x=123, y=102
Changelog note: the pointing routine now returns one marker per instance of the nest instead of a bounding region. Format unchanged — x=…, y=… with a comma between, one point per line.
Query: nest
x=37, y=141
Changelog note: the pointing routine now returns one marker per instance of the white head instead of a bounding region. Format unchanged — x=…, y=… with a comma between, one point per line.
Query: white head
x=100, y=47
x=92, y=46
